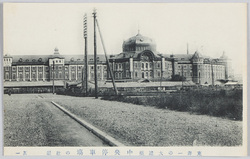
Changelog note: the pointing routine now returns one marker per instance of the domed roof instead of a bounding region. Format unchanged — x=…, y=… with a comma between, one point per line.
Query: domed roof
x=139, y=40
x=197, y=55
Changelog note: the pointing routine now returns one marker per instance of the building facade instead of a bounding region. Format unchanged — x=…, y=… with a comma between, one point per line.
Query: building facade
x=139, y=60
x=40, y=67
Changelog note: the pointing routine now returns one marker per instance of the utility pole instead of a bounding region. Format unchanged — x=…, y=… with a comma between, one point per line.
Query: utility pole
x=85, y=34
x=53, y=74
x=95, y=56
x=161, y=76
x=182, y=77
x=212, y=67
x=107, y=61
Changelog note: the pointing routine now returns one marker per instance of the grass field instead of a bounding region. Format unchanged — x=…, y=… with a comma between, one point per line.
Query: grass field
x=139, y=125
x=219, y=103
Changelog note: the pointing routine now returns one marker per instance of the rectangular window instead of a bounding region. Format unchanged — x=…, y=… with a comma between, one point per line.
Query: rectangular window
x=60, y=75
x=127, y=74
x=40, y=76
x=27, y=76
x=7, y=76
x=14, y=76
x=40, y=69
x=135, y=65
x=159, y=65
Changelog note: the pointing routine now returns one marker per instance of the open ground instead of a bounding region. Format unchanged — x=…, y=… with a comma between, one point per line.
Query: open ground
x=29, y=118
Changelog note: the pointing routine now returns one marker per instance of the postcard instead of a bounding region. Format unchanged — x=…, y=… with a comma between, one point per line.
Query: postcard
x=125, y=79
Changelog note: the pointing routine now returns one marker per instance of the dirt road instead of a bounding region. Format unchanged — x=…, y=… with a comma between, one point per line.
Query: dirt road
x=31, y=120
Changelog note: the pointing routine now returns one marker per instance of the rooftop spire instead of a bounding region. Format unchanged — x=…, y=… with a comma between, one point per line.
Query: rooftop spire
x=138, y=30
x=56, y=51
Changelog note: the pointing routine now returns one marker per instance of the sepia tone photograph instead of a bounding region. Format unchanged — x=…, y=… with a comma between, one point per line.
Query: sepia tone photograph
x=91, y=76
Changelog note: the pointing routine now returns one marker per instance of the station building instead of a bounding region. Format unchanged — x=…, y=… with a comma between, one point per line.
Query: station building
x=141, y=60
x=138, y=60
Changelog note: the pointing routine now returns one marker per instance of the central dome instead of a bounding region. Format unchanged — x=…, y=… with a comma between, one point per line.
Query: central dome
x=138, y=43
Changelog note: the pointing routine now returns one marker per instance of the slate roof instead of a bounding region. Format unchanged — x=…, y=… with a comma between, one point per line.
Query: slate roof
x=139, y=39
x=43, y=59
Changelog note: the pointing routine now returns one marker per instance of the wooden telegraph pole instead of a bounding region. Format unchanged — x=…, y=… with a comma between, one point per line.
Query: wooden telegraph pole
x=85, y=55
x=107, y=61
x=182, y=76
x=212, y=69
x=53, y=74
x=95, y=55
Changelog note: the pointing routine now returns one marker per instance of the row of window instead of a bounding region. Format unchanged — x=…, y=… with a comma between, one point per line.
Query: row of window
x=119, y=75
x=199, y=66
x=6, y=59
x=98, y=67
x=185, y=66
x=40, y=68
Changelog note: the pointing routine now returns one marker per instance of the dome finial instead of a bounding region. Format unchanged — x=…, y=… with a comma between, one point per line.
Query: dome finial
x=56, y=50
x=138, y=30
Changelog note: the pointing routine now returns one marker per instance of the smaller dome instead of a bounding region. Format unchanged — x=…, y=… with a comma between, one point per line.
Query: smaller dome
x=197, y=55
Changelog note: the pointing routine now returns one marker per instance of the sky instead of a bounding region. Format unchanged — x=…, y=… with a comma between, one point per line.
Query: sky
x=33, y=28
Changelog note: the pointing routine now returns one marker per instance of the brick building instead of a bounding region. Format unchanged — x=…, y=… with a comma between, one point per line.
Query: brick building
x=139, y=60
